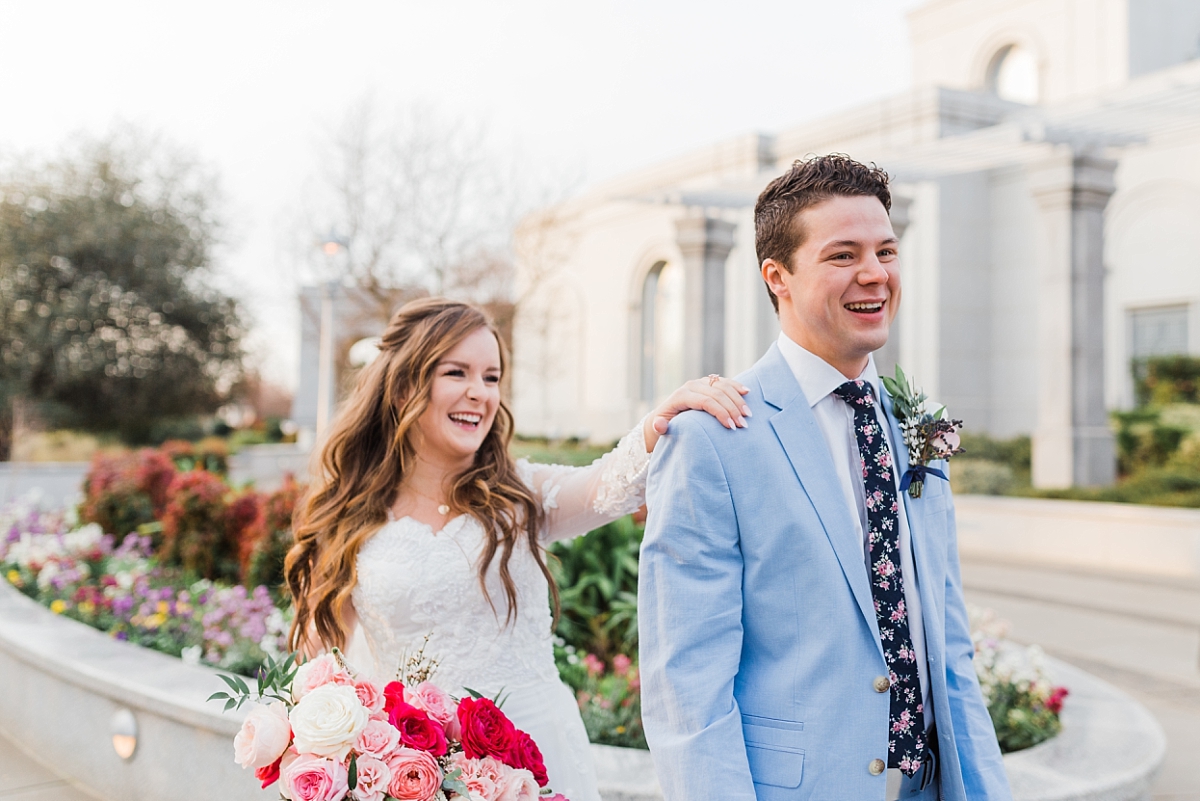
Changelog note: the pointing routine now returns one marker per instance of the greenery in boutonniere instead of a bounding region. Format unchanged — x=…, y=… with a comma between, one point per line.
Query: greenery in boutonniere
x=928, y=436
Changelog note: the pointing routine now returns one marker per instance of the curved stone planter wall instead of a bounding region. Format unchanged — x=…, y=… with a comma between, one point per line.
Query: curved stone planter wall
x=61, y=683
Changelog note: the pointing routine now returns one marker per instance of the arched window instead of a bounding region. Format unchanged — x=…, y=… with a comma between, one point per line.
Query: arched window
x=1013, y=75
x=662, y=331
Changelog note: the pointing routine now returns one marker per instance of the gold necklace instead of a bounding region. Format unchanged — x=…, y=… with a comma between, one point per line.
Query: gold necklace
x=442, y=509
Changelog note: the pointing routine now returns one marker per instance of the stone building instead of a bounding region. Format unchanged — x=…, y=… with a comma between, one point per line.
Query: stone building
x=1046, y=173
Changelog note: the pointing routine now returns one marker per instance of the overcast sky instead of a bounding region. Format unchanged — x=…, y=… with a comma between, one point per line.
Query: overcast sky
x=593, y=89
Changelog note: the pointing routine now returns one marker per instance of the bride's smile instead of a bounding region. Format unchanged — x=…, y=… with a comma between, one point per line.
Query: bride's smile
x=463, y=400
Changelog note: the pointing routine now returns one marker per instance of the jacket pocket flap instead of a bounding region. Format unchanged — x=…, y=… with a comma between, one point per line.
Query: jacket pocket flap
x=774, y=766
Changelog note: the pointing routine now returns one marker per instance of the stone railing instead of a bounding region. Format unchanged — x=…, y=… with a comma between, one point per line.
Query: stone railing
x=75, y=700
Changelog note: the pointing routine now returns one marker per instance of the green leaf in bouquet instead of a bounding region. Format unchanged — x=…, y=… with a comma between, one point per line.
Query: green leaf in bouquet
x=233, y=682
x=453, y=783
x=474, y=693
x=352, y=777
x=218, y=697
x=230, y=704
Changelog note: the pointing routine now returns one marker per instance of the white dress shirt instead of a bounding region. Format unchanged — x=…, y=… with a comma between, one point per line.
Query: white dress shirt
x=818, y=379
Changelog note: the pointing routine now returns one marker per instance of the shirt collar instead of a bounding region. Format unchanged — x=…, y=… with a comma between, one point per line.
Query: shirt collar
x=817, y=377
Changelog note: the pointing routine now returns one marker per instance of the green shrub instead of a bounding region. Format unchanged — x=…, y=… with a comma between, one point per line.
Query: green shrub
x=1016, y=453
x=980, y=477
x=1159, y=380
x=272, y=539
x=1145, y=440
x=597, y=580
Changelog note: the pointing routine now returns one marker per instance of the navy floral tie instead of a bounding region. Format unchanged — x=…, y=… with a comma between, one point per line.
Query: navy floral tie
x=906, y=734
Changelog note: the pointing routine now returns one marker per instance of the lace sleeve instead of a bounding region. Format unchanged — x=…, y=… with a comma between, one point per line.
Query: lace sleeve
x=579, y=499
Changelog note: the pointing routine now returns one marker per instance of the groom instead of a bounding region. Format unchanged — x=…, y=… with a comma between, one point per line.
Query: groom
x=803, y=633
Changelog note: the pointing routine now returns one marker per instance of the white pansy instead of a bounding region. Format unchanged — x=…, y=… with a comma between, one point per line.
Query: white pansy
x=328, y=720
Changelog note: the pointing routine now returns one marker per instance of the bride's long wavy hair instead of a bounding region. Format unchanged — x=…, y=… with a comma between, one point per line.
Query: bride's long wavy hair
x=366, y=457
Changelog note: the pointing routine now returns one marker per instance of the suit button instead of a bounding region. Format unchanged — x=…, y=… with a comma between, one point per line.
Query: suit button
x=877, y=767
x=881, y=684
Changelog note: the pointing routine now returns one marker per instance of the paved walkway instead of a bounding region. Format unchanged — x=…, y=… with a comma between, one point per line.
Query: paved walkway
x=1139, y=634
x=22, y=779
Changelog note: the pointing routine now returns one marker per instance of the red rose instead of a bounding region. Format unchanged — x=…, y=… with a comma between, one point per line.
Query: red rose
x=268, y=774
x=486, y=731
x=525, y=754
x=393, y=693
x=417, y=729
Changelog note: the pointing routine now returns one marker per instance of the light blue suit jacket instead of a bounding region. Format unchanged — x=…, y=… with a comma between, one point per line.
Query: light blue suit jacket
x=759, y=644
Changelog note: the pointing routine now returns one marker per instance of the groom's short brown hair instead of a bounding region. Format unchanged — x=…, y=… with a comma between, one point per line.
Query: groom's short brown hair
x=778, y=230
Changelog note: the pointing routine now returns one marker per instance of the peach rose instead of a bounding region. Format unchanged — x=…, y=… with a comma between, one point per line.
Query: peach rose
x=415, y=775
x=312, y=778
x=370, y=695
x=317, y=672
x=518, y=784
x=264, y=736
x=379, y=738
x=373, y=778
x=945, y=443
x=438, y=705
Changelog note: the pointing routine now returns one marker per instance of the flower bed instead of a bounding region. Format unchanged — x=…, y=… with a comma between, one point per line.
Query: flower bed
x=79, y=572
x=163, y=553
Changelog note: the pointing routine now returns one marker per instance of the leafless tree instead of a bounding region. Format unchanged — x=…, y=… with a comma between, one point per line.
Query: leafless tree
x=408, y=204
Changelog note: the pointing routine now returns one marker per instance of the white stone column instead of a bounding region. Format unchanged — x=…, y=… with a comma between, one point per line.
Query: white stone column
x=1073, y=444
x=705, y=243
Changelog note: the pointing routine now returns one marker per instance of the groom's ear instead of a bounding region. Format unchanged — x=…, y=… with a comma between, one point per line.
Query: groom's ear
x=772, y=274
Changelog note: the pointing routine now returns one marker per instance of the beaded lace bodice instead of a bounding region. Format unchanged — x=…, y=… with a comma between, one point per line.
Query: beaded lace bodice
x=414, y=582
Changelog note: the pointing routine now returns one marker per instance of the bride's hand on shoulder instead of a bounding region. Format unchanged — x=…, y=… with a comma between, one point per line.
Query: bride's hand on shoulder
x=720, y=397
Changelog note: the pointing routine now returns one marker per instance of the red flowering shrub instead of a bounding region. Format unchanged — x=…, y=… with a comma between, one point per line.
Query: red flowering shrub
x=243, y=524
x=126, y=489
x=271, y=537
x=195, y=531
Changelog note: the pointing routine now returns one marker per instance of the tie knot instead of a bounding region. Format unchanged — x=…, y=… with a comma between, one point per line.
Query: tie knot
x=856, y=393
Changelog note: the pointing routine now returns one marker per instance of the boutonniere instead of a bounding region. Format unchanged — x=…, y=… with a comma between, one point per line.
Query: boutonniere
x=928, y=436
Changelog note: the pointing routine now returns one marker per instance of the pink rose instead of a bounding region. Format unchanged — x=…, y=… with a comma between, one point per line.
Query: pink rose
x=621, y=664
x=313, y=778
x=378, y=739
x=438, y=705
x=482, y=777
x=415, y=775
x=370, y=695
x=518, y=784
x=373, y=778
x=317, y=672
x=264, y=737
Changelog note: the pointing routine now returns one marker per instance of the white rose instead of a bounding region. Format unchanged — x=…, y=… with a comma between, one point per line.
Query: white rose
x=328, y=720
x=264, y=736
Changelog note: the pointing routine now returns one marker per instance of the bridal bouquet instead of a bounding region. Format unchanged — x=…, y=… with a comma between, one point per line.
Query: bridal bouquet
x=326, y=735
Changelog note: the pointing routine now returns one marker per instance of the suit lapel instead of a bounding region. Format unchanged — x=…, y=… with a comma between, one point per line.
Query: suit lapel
x=807, y=450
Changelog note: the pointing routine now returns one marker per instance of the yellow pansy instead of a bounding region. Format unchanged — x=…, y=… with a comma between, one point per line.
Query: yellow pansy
x=58, y=606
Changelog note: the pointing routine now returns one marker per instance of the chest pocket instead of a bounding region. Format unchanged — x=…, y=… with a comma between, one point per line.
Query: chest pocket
x=774, y=750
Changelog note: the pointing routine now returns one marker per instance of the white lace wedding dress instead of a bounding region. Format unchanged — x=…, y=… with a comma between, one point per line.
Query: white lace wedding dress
x=413, y=582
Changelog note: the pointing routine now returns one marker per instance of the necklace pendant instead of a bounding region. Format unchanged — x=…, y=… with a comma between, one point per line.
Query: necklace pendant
x=443, y=509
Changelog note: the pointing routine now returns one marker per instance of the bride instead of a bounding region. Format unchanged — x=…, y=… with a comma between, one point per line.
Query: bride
x=418, y=524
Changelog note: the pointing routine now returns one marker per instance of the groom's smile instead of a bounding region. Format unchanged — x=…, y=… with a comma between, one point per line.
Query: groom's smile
x=841, y=290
